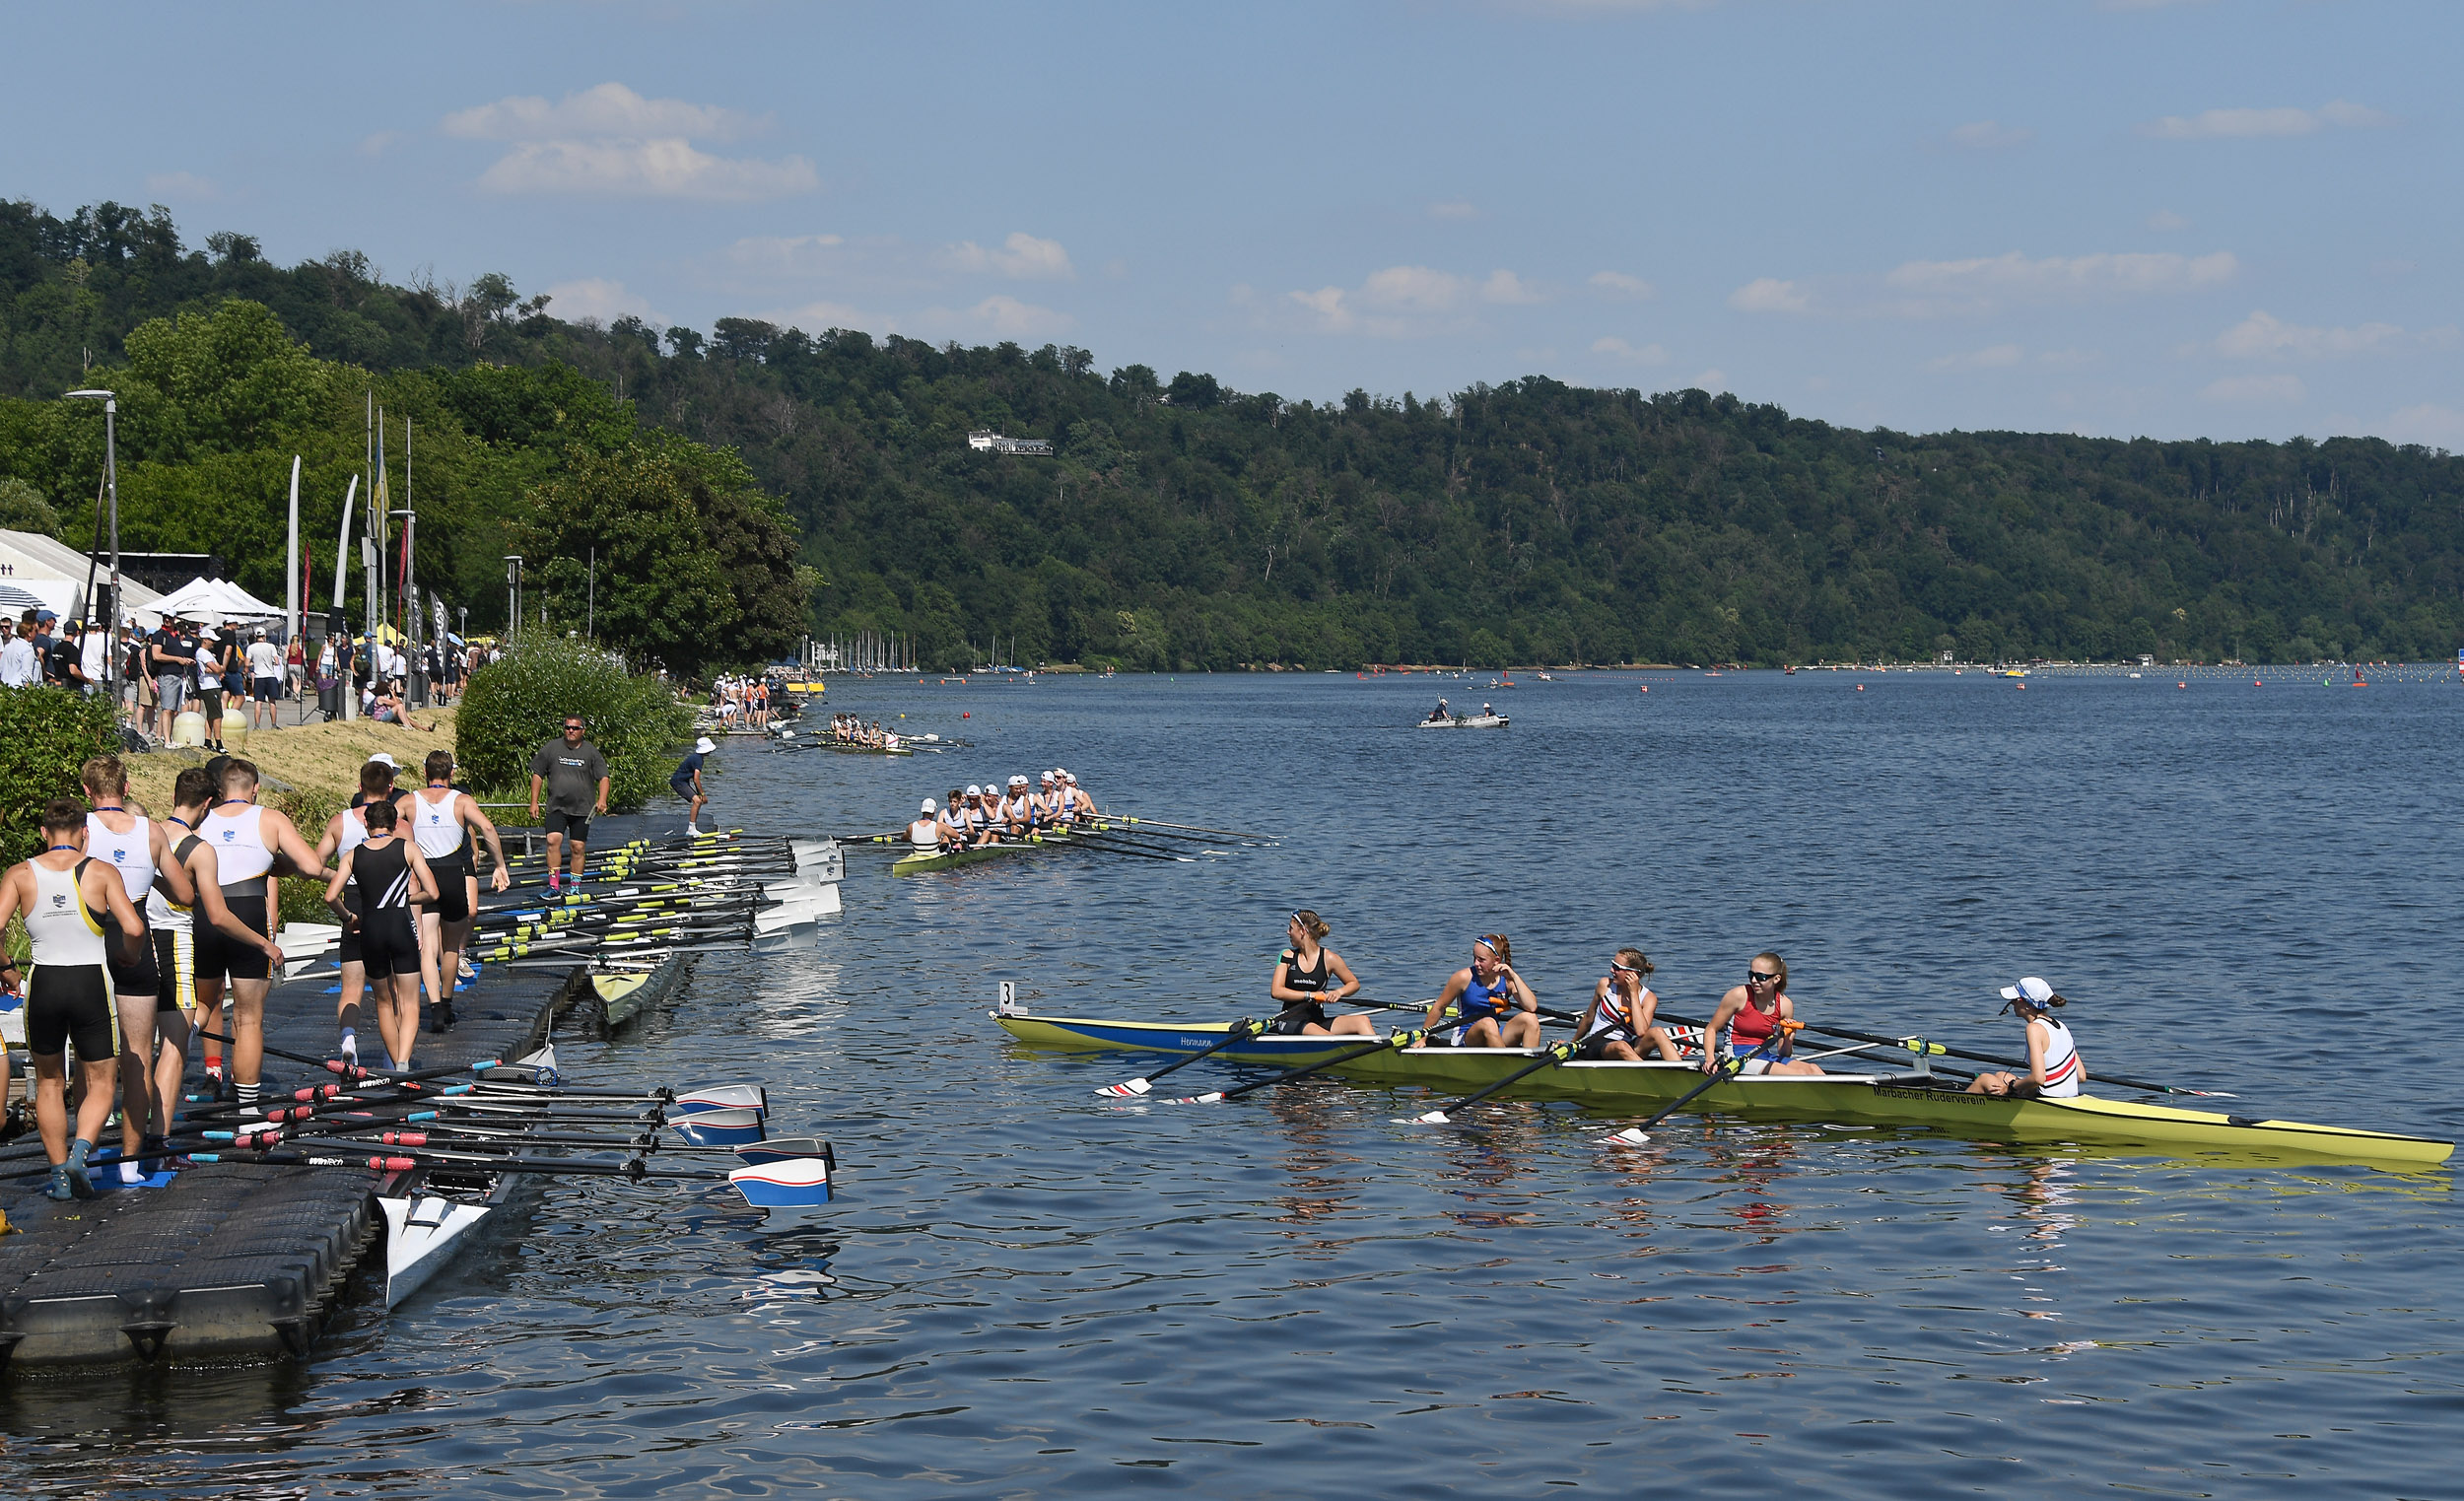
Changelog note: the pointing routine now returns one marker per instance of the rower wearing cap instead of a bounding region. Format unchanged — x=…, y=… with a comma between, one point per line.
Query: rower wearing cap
x=981, y=829
x=1081, y=804
x=1748, y=1015
x=686, y=783
x=925, y=833
x=1308, y=975
x=1046, y=801
x=1494, y=1008
x=1017, y=811
x=2054, y=1069
x=1619, y=1018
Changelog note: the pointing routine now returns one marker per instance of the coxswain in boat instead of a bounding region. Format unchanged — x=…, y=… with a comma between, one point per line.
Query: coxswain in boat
x=65, y=898
x=1441, y=714
x=247, y=841
x=2054, y=1069
x=1487, y=712
x=1306, y=977
x=389, y=874
x=926, y=832
x=442, y=819
x=1493, y=1007
x=1621, y=1015
x=1747, y=1016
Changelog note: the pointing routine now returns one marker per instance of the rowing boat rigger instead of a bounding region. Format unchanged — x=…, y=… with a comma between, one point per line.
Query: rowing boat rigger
x=1910, y=1100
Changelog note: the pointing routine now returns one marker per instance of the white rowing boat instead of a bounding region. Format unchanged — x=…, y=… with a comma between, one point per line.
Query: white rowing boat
x=1467, y=721
x=431, y=1211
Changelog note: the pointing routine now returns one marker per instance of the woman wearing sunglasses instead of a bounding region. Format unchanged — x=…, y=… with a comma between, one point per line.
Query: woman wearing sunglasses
x=1495, y=1008
x=1747, y=1016
x=1622, y=1009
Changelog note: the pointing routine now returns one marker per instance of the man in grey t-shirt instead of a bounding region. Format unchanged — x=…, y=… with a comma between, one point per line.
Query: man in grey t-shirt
x=575, y=775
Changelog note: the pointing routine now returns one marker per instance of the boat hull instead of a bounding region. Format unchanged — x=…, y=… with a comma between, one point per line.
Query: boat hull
x=431, y=1213
x=1903, y=1100
x=1467, y=721
x=926, y=864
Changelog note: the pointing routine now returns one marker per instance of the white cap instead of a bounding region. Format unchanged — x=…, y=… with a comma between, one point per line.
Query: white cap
x=1017, y=782
x=385, y=758
x=927, y=805
x=1072, y=779
x=2031, y=990
x=704, y=745
x=974, y=790
x=1049, y=777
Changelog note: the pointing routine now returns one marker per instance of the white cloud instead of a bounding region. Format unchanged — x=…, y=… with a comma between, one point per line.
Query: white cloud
x=2165, y=221
x=1619, y=285
x=1769, y=294
x=2244, y=124
x=1616, y=348
x=609, y=109
x=1977, y=285
x=596, y=297
x=1990, y=135
x=181, y=185
x=2280, y=389
x=1414, y=288
x=672, y=169
x=1457, y=209
x=785, y=255
x=2439, y=427
x=2263, y=336
x=610, y=142
x=1509, y=290
x=1021, y=255
x=1013, y=320
x=1991, y=356
x=1711, y=379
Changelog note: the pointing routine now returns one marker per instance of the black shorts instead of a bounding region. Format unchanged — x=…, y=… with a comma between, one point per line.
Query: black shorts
x=453, y=877
x=69, y=1004
x=389, y=946
x=175, y=968
x=129, y=978
x=574, y=826
x=221, y=956
x=1594, y=1047
x=682, y=786
x=1294, y=1023
x=267, y=690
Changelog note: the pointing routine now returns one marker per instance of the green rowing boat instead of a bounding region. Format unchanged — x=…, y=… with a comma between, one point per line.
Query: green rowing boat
x=926, y=864
x=1912, y=1100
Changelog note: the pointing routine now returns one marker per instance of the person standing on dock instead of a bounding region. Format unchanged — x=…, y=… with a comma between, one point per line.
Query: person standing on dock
x=575, y=777
x=442, y=820
x=391, y=875
x=247, y=841
x=66, y=899
x=687, y=782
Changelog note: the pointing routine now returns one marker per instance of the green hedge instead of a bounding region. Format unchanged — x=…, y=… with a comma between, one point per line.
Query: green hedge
x=45, y=735
x=512, y=708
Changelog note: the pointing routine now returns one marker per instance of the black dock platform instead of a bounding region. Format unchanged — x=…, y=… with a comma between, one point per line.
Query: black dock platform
x=228, y=1261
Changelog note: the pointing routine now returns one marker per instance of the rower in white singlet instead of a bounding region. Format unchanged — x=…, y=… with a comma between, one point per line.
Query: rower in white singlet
x=924, y=833
x=2054, y=1069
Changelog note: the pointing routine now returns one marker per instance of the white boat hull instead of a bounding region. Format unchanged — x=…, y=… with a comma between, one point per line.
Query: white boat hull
x=424, y=1231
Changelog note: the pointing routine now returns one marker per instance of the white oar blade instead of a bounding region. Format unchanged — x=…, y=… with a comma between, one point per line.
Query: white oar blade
x=1433, y=1118
x=1204, y=1098
x=787, y=1149
x=1632, y=1135
x=801, y=1183
x=1128, y=1089
x=721, y=1097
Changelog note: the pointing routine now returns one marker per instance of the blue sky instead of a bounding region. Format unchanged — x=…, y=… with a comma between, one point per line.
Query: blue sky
x=2222, y=218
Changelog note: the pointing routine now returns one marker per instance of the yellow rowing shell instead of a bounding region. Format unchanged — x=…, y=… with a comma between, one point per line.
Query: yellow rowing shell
x=1879, y=1099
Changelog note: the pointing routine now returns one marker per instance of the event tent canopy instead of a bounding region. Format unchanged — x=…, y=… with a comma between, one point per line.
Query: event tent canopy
x=214, y=596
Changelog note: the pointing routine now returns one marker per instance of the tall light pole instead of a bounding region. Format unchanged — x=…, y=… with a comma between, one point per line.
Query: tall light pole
x=111, y=488
x=512, y=594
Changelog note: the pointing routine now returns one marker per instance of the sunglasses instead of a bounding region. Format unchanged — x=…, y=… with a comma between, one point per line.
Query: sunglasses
x=1756, y=977
x=1624, y=969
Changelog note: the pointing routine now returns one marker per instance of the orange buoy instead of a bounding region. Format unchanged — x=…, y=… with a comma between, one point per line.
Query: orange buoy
x=967, y=716
x=1860, y=688
x=2182, y=685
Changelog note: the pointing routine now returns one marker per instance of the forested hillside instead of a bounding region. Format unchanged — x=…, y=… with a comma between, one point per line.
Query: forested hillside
x=1186, y=524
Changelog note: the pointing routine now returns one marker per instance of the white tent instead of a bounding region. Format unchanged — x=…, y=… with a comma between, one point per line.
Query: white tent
x=212, y=596
x=53, y=574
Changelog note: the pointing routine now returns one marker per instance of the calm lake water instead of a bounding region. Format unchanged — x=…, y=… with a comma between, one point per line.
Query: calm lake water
x=1023, y=1292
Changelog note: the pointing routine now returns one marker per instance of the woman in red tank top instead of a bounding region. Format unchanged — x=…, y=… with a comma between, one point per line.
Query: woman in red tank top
x=1749, y=1014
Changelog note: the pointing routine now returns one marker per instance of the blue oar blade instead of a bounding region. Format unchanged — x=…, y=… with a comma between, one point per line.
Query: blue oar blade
x=800, y=1184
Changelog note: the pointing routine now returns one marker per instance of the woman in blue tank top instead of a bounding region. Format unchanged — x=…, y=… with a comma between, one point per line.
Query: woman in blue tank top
x=1495, y=1008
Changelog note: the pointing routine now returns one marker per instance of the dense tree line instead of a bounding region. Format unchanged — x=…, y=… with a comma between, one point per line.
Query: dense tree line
x=1183, y=523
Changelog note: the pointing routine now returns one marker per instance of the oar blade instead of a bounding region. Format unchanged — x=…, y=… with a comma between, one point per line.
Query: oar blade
x=744, y=1095
x=801, y=1183
x=788, y=1149
x=1433, y=1118
x=719, y=1127
x=1632, y=1135
x=1210, y=1098
x=1126, y=1089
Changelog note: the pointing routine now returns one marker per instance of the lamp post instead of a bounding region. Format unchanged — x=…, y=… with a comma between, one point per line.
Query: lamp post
x=111, y=488
x=512, y=594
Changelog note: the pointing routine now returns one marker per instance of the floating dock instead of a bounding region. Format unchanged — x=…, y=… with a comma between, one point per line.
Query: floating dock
x=230, y=1261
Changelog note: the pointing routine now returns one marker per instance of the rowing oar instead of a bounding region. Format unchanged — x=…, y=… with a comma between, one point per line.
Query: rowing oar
x=1636, y=1135
x=1397, y=1039
x=1240, y=1031
x=1919, y=1045
x=1100, y=844
x=1551, y=1057
x=1192, y=828
x=377, y=1075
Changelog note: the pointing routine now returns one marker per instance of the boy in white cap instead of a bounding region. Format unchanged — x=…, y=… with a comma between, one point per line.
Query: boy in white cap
x=687, y=782
x=926, y=832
